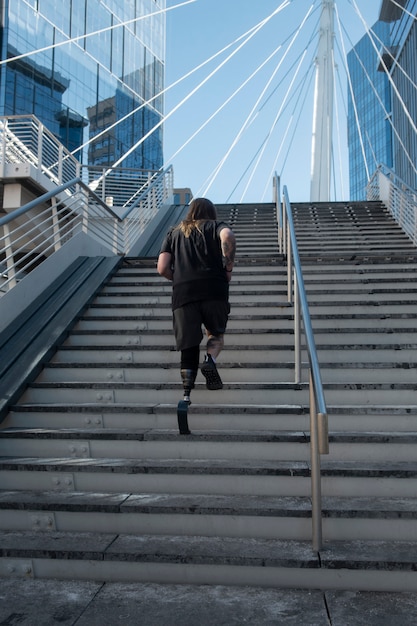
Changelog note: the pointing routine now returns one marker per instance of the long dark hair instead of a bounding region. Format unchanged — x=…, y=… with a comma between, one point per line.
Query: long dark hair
x=201, y=210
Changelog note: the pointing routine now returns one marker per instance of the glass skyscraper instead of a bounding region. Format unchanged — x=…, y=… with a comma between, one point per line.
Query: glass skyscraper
x=404, y=97
x=97, y=62
x=369, y=109
x=386, y=106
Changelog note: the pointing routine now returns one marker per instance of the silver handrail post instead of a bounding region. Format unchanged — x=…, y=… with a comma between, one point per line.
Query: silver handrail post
x=315, y=473
x=288, y=248
x=284, y=232
x=278, y=209
x=297, y=333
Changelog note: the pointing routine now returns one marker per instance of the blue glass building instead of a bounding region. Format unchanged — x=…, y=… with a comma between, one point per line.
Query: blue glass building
x=385, y=97
x=113, y=64
x=369, y=108
x=404, y=97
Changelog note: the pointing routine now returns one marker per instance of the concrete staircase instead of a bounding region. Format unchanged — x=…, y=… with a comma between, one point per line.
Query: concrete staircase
x=98, y=484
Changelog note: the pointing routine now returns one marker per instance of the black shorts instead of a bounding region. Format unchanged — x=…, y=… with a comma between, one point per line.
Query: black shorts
x=188, y=319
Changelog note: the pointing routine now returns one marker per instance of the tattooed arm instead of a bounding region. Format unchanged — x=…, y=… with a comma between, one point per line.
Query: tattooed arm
x=228, y=245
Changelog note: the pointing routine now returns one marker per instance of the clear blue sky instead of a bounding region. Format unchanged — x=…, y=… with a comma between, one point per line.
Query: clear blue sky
x=266, y=126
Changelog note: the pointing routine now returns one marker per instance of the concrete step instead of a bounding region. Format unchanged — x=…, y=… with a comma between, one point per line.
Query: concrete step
x=279, y=297
x=378, y=355
x=348, y=479
x=350, y=277
x=210, y=515
x=381, y=309
x=165, y=324
x=206, y=417
x=143, y=443
x=236, y=288
x=364, y=269
x=224, y=444
x=169, y=373
x=263, y=337
x=274, y=267
x=329, y=243
x=256, y=339
x=281, y=321
x=174, y=476
x=232, y=393
x=370, y=565
x=163, y=416
x=234, y=373
x=405, y=308
x=265, y=333
x=164, y=354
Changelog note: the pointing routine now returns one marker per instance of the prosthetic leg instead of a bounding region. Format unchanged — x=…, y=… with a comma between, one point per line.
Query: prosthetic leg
x=188, y=378
x=189, y=368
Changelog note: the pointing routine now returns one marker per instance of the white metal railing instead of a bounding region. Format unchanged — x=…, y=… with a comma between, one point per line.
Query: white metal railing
x=50, y=220
x=319, y=438
x=24, y=139
x=114, y=211
x=398, y=197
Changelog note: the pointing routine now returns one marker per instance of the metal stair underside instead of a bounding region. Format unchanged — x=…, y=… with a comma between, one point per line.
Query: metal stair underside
x=97, y=482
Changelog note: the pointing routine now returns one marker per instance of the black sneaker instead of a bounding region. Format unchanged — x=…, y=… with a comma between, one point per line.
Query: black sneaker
x=210, y=373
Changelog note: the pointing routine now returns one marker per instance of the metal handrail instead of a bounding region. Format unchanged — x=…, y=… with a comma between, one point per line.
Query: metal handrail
x=319, y=439
x=73, y=207
x=52, y=194
x=25, y=139
x=399, y=198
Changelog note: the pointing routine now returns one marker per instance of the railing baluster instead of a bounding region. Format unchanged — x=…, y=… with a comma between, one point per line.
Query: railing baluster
x=297, y=333
x=8, y=252
x=315, y=473
x=55, y=225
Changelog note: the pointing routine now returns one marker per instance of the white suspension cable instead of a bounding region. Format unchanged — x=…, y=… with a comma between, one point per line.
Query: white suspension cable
x=355, y=109
x=193, y=91
x=386, y=114
x=95, y=32
x=241, y=86
x=393, y=85
x=387, y=51
x=161, y=93
x=249, y=118
x=307, y=90
x=274, y=123
x=268, y=184
x=280, y=148
x=254, y=158
x=368, y=139
x=400, y=6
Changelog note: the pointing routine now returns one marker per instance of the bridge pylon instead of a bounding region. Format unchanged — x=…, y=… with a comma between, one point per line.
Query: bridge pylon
x=321, y=149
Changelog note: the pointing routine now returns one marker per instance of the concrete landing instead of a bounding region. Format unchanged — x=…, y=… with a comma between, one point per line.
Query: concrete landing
x=49, y=602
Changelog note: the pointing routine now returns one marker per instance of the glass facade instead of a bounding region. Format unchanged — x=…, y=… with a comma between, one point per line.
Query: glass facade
x=404, y=99
x=81, y=87
x=369, y=109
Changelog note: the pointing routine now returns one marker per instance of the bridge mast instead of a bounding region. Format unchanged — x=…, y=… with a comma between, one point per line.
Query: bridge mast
x=321, y=149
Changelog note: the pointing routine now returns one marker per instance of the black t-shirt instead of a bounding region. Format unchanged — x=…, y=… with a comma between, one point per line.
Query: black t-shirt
x=197, y=263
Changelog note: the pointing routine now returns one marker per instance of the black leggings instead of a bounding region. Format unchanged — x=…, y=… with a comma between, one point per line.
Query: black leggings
x=190, y=358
